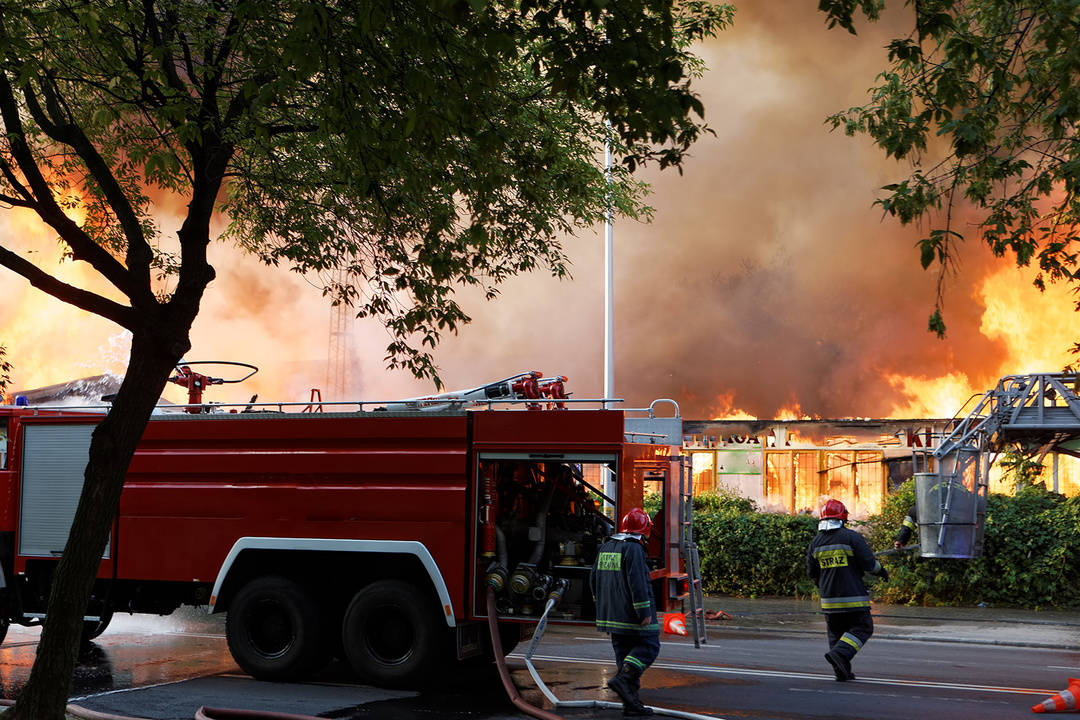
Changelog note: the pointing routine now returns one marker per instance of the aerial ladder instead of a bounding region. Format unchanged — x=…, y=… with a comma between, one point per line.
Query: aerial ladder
x=1040, y=411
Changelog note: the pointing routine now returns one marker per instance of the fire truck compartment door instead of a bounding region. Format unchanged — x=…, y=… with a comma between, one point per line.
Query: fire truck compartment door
x=53, y=464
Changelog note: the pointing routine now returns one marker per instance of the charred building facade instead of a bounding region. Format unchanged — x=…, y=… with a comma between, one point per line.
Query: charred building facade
x=793, y=465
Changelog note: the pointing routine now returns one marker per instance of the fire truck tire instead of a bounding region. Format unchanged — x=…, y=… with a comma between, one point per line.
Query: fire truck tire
x=94, y=628
x=392, y=635
x=274, y=630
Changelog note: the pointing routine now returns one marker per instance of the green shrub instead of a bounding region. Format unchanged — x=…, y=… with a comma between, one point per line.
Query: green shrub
x=1030, y=545
x=1030, y=551
x=723, y=500
x=747, y=553
x=716, y=501
x=652, y=503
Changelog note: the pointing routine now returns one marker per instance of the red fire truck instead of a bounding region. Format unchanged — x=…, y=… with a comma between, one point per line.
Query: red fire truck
x=370, y=535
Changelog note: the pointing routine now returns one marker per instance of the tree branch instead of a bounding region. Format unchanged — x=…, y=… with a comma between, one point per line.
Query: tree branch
x=91, y=302
x=60, y=128
x=82, y=247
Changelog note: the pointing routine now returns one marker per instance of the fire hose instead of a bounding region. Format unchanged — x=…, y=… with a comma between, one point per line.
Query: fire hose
x=500, y=661
x=897, y=551
x=536, y=712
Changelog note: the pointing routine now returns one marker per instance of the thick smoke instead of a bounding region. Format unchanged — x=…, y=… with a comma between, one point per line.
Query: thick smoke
x=768, y=276
x=767, y=279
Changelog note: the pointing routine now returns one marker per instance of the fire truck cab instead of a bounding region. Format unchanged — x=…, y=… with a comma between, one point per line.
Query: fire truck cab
x=370, y=535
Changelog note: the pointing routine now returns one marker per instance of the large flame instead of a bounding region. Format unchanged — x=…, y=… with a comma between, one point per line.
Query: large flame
x=1034, y=331
x=42, y=335
x=725, y=409
x=792, y=411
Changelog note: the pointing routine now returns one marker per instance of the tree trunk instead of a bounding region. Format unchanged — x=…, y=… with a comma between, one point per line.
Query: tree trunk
x=153, y=357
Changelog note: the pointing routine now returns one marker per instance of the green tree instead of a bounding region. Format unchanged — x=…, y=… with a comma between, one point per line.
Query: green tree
x=982, y=98
x=1020, y=466
x=414, y=145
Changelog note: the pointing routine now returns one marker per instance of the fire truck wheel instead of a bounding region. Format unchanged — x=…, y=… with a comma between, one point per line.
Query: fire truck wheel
x=274, y=629
x=94, y=628
x=391, y=633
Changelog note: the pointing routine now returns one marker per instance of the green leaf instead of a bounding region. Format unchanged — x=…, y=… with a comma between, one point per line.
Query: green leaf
x=936, y=323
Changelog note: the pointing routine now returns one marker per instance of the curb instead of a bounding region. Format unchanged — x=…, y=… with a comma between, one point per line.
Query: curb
x=878, y=635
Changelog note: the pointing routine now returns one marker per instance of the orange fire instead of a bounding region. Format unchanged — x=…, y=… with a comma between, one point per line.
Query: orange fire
x=1034, y=329
x=792, y=411
x=50, y=342
x=725, y=409
x=38, y=330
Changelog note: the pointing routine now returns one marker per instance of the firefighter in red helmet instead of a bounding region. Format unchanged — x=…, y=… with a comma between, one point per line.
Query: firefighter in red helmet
x=836, y=560
x=625, y=608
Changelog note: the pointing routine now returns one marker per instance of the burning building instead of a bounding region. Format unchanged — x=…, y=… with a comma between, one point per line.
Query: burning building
x=792, y=465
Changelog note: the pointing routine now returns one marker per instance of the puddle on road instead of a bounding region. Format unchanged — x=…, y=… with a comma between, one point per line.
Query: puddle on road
x=456, y=706
x=435, y=705
x=478, y=694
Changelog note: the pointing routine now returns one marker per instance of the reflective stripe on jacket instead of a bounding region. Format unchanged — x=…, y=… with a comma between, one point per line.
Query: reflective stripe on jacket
x=910, y=525
x=836, y=561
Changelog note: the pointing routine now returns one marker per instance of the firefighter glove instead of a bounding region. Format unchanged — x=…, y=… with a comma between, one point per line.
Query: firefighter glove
x=883, y=574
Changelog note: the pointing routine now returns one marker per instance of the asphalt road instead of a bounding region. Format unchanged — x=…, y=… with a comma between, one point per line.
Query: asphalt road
x=777, y=675
x=165, y=668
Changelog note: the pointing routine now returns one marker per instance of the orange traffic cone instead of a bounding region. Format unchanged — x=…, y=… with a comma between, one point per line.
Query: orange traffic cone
x=1064, y=701
x=675, y=624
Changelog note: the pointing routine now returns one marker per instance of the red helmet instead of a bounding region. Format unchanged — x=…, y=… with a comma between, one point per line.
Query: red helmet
x=834, y=509
x=636, y=521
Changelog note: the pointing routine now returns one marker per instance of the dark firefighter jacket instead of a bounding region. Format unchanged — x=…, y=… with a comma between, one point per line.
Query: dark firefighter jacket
x=836, y=561
x=910, y=525
x=621, y=587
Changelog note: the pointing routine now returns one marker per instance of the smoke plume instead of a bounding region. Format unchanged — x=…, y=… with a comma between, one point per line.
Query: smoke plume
x=768, y=282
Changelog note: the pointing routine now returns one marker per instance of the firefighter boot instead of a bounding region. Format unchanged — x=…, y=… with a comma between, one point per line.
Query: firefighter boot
x=625, y=685
x=841, y=666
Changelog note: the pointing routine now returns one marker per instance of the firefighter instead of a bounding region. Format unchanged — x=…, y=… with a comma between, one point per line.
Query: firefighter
x=836, y=560
x=910, y=525
x=625, y=608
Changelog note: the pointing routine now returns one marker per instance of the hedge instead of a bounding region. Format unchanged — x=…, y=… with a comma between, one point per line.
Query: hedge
x=1031, y=554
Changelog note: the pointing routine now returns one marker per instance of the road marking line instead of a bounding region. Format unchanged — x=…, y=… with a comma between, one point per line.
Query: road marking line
x=701, y=667
x=1062, y=667
x=127, y=690
x=877, y=694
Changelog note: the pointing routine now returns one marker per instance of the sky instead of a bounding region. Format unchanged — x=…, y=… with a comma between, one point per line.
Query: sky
x=767, y=285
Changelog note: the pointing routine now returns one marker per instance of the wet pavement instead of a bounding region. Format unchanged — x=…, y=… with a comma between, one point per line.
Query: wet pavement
x=763, y=661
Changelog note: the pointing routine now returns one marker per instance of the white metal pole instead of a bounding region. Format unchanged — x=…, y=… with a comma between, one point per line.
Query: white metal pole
x=609, y=286
x=609, y=312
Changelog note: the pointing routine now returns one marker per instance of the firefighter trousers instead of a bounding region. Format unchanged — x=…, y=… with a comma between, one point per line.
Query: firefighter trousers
x=638, y=650
x=849, y=631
